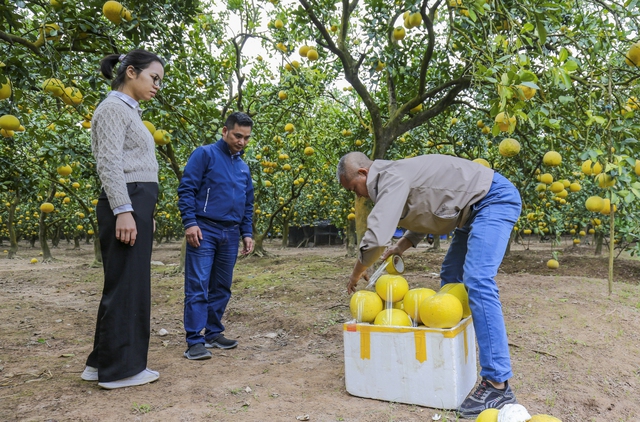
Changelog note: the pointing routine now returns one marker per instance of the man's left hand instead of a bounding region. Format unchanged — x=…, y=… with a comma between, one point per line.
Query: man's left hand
x=248, y=245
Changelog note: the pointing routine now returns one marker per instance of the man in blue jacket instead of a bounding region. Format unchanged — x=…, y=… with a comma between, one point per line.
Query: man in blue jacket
x=216, y=204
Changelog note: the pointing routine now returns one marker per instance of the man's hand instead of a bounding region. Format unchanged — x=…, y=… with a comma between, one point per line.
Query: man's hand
x=194, y=236
x=359, y=271
x=248, y=245
x=126, y=230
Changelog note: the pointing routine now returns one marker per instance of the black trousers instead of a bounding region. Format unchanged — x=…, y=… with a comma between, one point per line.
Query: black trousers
x=121, y=341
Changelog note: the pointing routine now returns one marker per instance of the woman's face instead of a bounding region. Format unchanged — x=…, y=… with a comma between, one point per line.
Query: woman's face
x=144, y=85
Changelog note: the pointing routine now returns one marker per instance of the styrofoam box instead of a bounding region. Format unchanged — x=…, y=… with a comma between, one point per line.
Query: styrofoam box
x=414, y=365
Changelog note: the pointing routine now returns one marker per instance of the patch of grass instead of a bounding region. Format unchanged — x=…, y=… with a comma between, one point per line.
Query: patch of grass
x=141, y=408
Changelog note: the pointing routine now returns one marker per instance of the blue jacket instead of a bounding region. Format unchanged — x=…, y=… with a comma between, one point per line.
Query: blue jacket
x=217, y=186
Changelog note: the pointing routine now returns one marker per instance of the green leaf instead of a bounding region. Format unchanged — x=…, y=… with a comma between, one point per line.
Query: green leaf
x=542, y=31
x=566, y=99
x=564, y=55
x=571, y=66
x=528, y=27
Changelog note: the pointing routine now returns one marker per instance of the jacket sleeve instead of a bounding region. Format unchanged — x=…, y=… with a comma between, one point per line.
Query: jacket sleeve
x=190, y=186
x=246, y=226
x=391, y=199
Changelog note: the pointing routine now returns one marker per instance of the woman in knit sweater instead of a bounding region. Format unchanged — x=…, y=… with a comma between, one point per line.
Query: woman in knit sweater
x=126, y=162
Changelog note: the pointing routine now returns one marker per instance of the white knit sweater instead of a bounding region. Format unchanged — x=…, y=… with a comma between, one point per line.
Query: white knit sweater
x=123, y=149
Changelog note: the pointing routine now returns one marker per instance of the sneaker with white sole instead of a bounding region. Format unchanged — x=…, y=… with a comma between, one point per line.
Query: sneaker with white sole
x=486, y=396
x=144, y=377
x=221, y=342
x=90, y=373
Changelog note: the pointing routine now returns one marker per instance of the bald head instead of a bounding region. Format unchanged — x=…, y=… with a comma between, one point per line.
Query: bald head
x=350, y=163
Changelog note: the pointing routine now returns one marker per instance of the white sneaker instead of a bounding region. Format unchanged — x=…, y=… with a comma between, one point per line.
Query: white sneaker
x=90, y=374
x=144, y=377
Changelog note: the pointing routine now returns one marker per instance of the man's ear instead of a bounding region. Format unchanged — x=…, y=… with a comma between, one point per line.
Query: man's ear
x=363, y=171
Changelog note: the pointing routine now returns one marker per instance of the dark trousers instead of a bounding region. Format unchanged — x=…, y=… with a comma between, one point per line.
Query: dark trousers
x=121, y=341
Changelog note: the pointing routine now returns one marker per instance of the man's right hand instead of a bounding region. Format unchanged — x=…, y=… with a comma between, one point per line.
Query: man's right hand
x=194, y=236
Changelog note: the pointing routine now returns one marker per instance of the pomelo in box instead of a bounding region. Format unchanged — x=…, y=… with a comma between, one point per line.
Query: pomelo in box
x=412, y=300
x=393, y=316
x=442, y=310
x=392, y=288
x=365, y=305
x=459, y=291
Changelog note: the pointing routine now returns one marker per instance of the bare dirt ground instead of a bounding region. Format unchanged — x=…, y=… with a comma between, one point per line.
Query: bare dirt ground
x=575, y=348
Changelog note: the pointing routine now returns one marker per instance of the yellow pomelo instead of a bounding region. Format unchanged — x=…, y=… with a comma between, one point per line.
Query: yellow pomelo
x=149, y=126
x=47, y=207
x=54, y=86
x=596, y=169
x=606, y=207
x=412, y=300
x=546, y=178
x=365, y=305
x=312, y=55
x=289, y=127
x=9, y=122
x=605, y=181
x=543, y=418
x=459, y=291
x=509, y=147
x=556, y=187
x=351, y=216
x=7, y=133
x=541, y=187
x=594, y=204
x=65, y=170
x=526, y=231
x=392, y=288
x=562, y=194
x=553, y=264
x=398, y=33
x=71, y=96
x=633, y=55
x=282, y=95
x=114, y=11
x=488, y=415
x=415, y=19
x=483, y=162
x=278, y=24
x=396, y=317
x=637, y=168
x=442, y=310
x=34, y=260
x=304, y=49
x=86, y=124
x=527, y=92
x=552, y=159
x=161, y=137
x=504, y=122
x=5, y=90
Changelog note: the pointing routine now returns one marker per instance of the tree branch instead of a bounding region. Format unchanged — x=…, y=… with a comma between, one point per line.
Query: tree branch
x=11, y=39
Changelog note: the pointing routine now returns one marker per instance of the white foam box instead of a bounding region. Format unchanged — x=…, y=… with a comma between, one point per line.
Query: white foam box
x=414, y=365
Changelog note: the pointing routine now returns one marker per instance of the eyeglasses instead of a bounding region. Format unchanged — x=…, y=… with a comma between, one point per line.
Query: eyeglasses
x=157, y=80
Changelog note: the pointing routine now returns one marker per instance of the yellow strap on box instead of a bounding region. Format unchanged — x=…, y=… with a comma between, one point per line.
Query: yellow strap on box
x=421, y=346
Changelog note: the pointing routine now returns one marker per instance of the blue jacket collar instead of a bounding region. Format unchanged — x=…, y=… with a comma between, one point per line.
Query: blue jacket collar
x=223, y=145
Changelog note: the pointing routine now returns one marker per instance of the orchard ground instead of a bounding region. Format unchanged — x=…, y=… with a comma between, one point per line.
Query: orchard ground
x=575, y=348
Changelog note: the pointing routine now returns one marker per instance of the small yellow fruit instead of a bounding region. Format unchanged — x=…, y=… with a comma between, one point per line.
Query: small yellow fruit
x=398, y=33
x=312, y=55
x=71, y=96
x=575, y=187
x=149, y=126
x=576, y=241
x=415, y=19
x=380, y=66
x=309, y=151
x=527, y=92
x=86, y=124
x=605, y=181
x=90, y=232
x=553, y=264
x=637, y=168
x=94, y=202
x=5, y=90
x=392, y=288
x=633, y=55
x=9, y=122
x=480, y=124
x=268, y=184
x=53, y=86
x=7, y=133
x=289, y=127
x=278, y=24
x=75, y=185
x=161, y=137
x=552, y=159
x=594, y=204
x=351, y=216
x=546, y=178
x=114, y=11
x=596, y=169
x=304, y=49
x=442, y=310
x=47, y=207
x=393, y=317
x=509, y=147
x=66, y=200
x=282, y=95
x=556, y=187
x=365, y=306
x=65, y=170
x=488, y=415
x=606, y=207
x=34, y=260
x=505, y=122
x=412, y=300
x=526, y=231
x=483, y=162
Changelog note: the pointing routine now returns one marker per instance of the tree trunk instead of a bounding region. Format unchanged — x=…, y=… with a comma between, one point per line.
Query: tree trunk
x=511, y=237
x=258, y=244
x=13, y=239
x=285, y=233
x=97, y=251
x=42, y=234
x=436, y=243
x=55, y=239
x=76, y=242
x=32, y=241
x=351, y=238
x=599, y=238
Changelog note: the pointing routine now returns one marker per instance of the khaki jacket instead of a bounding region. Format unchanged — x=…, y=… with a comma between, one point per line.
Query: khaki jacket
x=426, y=194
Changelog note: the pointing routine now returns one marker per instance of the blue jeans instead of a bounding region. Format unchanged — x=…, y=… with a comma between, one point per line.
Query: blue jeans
x=473, y=258
x=208, y=273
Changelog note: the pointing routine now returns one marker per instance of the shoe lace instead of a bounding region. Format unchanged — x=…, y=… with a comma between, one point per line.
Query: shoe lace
x=482, y=388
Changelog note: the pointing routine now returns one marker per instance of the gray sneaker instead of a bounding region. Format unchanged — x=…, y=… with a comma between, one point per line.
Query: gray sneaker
x=486, y=396
x=221, y=343
x=197, y=352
